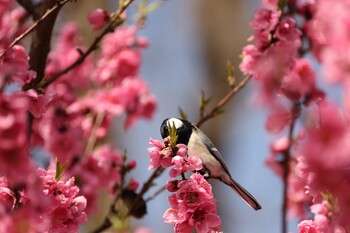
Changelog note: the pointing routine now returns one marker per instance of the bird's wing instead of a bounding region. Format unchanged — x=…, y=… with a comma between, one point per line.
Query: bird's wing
x=212, y=149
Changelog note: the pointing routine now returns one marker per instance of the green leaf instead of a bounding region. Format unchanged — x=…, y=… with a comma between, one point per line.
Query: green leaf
x=173, y=135
x=183, y=114
x=203, y=101
x=331, y=200
x=231, y=79
x=59, y=170
x=282, y=4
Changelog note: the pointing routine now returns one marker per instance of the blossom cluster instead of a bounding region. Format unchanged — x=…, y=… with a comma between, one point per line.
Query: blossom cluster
x=318, y=155
x=49, y=204
x=45, y=121
x=192, y=204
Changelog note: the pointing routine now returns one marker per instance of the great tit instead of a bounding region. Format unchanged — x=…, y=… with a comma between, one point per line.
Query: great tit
x=199, y=144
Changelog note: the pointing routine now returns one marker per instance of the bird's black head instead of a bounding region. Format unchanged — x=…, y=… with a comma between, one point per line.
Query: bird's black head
x=183, y=129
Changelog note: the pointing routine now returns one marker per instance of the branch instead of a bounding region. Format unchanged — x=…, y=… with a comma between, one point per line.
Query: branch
x=34, y=25
x=216, y=110
x=154, y=195
x=92, y=47
x=286, y=165
x=146, y=186
x=30, y=7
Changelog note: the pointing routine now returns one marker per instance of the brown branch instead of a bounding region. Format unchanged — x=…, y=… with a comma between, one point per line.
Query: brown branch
x=286, y=166
x=216, y=110
x=154, y=195
x=30, y=7
x=110, y=27
x=34, y=25
x=41, y=40
x=146, y=186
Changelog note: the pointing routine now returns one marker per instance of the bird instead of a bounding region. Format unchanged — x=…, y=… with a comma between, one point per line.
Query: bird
x=198, y=144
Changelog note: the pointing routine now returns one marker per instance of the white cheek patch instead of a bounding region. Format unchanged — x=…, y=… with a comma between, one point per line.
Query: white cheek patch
x=174, y=121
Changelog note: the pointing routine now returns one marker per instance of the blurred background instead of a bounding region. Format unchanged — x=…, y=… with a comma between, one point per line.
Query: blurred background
x=190, y=42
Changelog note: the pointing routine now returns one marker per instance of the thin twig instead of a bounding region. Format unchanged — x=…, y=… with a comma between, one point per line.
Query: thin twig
x=154, y=195
x=286, y=166
x=146, y=186
x=223, y=101
x=34, y=25
x=93, y=137
x=91, y=48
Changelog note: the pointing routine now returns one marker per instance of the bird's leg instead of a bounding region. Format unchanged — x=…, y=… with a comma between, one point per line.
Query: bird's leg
x=205, y=173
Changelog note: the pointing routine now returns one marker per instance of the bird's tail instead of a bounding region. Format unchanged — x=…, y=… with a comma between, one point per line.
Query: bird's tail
x=247, y=197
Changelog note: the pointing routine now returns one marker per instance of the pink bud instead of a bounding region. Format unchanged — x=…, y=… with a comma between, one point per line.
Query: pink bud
x=171, y=185
x=133, y=184
x=131, y=164
x=98, y=18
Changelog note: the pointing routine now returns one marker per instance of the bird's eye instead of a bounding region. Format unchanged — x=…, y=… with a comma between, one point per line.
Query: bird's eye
x=164, y=131
x=165, y=128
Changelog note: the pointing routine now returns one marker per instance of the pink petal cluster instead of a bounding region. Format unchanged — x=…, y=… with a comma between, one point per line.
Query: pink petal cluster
x=120, y=56
x=101, y=170
x=325, y=151
x=13, y=138
x=163, y=154
x=193, y=207
x=7, y=196
x=14, y=66
x=67, y=121
x=66, y=51
x=67, y=208
x=11, y=23
x=183, y=164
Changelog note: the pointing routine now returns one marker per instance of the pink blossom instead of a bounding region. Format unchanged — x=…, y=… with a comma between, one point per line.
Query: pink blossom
x=14, y=65
x=279, y=117
x=307, y=226
x=300, y=81
x=192, y=206
x=7, y=196
x=298, y=199
x=194, y=191
x=63, y=55
x=325, y=151
x=120, y=56
x=270, y=4
x=182, y=164
x=5, y=5
x=13, y=138
x=98, y=18
x=101, y=170
x=38, y=102
x=11, y=23
x=68, y=208
x=263, y=23
x=288, y=32
x=161, y=154
x=62, y=142
x=204, y=218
